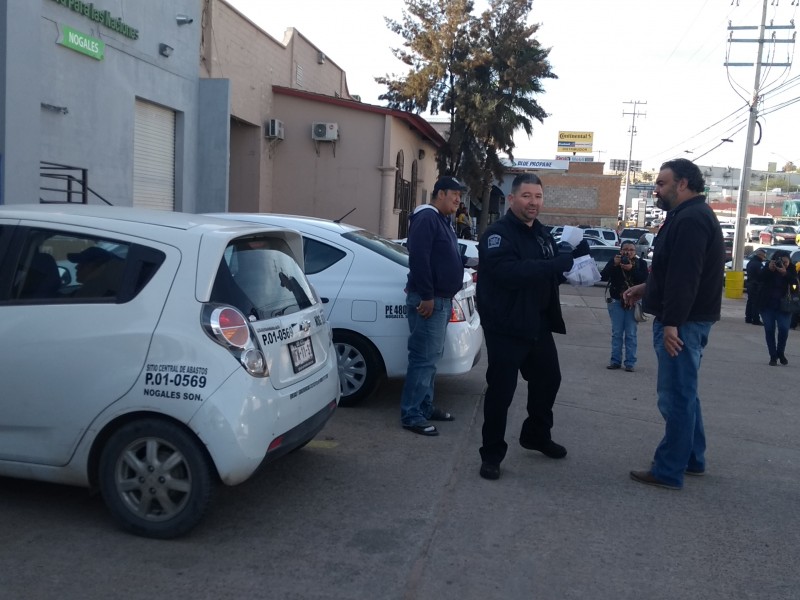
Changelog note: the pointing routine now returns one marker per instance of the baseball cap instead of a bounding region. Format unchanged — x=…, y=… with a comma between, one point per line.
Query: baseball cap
x=761, y=251
x=91, y=254
x=448, y=183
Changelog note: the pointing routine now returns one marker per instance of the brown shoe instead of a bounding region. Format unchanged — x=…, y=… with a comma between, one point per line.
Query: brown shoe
x=648, y=478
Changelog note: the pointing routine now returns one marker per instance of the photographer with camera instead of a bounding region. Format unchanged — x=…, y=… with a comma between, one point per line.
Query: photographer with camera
x=625, y=271
x=777, y=279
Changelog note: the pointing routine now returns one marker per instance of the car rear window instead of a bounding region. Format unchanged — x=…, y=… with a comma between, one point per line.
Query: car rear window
x=60, y=266
x=259, y=276
x=761, y=220
x=387, y=248
x=632, y=233
x=318, y=256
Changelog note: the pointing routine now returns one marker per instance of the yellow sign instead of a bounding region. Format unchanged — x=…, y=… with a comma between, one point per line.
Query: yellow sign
x=575, y=141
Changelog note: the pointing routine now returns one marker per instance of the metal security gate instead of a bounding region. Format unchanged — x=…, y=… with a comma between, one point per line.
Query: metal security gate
x=154, y=157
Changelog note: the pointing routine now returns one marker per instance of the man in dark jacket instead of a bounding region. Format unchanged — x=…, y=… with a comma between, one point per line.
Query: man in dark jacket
x=753, y=270
x=436, y=274
x=684, y=292
x=519, y=271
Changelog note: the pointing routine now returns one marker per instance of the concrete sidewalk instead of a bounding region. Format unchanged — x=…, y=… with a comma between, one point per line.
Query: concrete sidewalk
x=579, y=527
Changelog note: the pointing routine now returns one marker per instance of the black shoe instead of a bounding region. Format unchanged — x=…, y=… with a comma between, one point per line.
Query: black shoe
x=549, y=448
x=694, y=472
x=773, y=362
x=441, y=415
x=613, y=366
x=783, y=359
x=422, y=429
x=490, y=470
x=647, y=478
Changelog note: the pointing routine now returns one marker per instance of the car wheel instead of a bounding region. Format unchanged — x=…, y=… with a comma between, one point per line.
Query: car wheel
x=360, y=367
x=155, y=478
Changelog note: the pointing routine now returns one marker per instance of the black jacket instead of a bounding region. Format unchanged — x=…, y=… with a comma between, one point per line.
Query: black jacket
x=620, y=280
x=774, y=287
x=753, y=268
x=685, y=282
x=519, y=271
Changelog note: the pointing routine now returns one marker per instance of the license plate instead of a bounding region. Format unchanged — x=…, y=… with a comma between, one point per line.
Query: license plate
x=302, y=354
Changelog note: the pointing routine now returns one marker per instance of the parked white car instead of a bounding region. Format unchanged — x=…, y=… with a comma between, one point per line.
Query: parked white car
x=153, y=354
x=361, y=278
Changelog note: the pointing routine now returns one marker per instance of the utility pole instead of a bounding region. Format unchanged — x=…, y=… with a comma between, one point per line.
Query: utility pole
x=632, y=131
x=744, y=183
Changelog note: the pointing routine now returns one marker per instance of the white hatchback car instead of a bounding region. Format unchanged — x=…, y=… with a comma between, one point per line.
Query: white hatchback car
x=155, y=354
x=361, y=278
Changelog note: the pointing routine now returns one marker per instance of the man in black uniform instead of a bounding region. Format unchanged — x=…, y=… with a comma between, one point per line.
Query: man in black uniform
x=519, y=271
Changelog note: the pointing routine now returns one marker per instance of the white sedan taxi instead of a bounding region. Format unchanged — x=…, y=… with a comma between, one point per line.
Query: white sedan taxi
x=152, y=355
x=361, y=277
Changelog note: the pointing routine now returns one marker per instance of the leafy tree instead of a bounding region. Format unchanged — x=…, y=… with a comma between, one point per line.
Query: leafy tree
x=482, y=70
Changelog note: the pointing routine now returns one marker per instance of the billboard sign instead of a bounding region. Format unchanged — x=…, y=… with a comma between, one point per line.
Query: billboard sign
x=530, y=163
x=575, y=141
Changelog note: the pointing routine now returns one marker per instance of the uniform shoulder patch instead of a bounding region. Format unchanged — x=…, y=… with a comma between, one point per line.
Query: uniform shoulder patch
x=493, y=241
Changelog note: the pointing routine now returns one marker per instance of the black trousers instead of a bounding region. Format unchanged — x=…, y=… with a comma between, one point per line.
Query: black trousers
x=537, y=362
x=750, y=310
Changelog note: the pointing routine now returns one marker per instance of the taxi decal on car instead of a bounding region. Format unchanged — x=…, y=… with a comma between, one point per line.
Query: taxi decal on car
x=395, y=311
x=159, y=376
x=276, y=336
x=303, y=390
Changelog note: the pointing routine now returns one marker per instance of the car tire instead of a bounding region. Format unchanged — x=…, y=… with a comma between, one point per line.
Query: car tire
x=155, y=478
x=360, y=367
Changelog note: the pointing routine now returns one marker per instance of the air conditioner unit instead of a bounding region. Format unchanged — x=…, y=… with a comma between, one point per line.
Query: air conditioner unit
x=273, y=129
x=324, y=132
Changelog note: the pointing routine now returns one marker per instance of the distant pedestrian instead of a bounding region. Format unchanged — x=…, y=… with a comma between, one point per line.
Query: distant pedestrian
x=621, y=273
x=753, y=269
x=684, y=293
x=463, y=224
x=436, y=272
x=519, y=271
x=777, y=278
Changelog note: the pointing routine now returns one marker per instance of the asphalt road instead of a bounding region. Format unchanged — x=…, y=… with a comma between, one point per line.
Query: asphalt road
x=371, y=511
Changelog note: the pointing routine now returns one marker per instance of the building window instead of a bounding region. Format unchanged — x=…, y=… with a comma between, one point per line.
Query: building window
x=398, y=181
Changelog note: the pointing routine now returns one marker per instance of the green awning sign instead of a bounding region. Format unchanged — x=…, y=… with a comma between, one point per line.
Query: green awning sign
x=80, y=42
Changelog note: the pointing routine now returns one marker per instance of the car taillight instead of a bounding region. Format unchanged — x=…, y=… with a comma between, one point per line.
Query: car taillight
x=229, y=328
x=457, y=313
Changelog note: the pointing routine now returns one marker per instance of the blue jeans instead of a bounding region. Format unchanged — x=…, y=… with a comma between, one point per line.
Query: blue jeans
x=773, y=318
x=622, y=325
x=684, y=442
x=425, y=348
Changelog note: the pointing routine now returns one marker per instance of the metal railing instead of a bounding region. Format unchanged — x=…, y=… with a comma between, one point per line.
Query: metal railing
x=72, y=184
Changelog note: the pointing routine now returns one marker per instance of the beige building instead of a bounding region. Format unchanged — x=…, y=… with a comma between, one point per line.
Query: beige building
x=300, y=143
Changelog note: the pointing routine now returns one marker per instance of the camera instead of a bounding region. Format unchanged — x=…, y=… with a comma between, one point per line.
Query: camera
x=624, y=260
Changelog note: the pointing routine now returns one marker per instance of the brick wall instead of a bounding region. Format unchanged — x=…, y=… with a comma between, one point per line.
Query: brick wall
x=581, y=196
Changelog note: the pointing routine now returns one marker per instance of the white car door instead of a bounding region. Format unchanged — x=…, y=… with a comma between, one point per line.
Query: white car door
x=67, y=357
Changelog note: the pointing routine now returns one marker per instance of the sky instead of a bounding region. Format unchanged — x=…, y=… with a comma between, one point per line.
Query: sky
x=666, y=55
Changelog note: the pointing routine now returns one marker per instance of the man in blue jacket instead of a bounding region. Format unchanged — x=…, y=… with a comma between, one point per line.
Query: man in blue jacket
x=436, y=274
x=684, y=292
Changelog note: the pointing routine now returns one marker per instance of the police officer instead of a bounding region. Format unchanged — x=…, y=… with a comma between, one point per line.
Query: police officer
x=519, y=271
